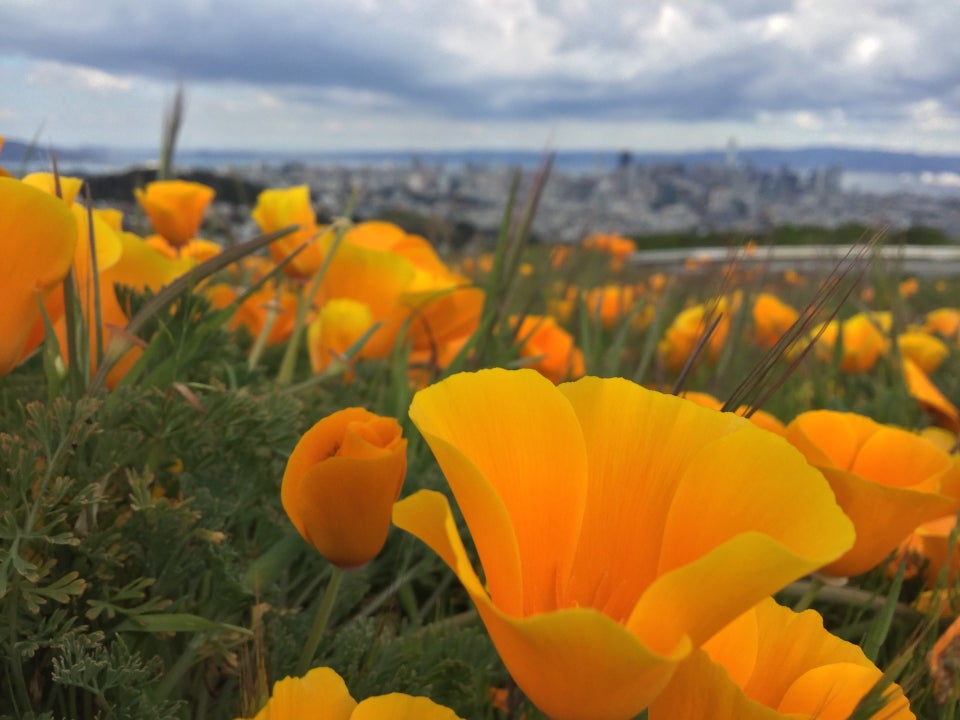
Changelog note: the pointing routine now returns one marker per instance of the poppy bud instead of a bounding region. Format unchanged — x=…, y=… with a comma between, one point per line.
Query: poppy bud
x=341, y=482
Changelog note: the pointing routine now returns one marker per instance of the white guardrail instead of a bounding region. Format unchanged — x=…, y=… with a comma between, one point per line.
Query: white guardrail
x=908, y=259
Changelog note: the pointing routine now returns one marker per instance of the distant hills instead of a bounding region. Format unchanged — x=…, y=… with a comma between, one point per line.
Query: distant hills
x=101, y=159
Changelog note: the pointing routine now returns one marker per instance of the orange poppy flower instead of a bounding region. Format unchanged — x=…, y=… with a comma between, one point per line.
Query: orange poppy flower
x=684, y=333
x=69, y=186
x=909, y=287
x=556, y=356
x=771, y=318
x=925, y=350
x=928, y=550
x=337, y=326
x=945, y=322
x=197, y=249
x=277, y=208
x=341, y=481
x=931, y=400
x=772, y=663
x=175, y=208
x=887, y=480
x=863, y=342
x=323, y=691
x=39, y=235
x=585, y=502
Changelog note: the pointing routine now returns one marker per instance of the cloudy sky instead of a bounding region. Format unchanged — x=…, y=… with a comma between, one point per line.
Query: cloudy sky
x=433, y=74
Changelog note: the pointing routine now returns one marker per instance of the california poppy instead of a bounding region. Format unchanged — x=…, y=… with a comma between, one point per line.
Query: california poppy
x=551, y=348
x=175, y=208
x=340, y=484
x=770, y=664
x=886, y=479
x=771, y=319
x=585, y=502
x=277, y=208
x=322, y=693
x=39, y=235
x=337, y=326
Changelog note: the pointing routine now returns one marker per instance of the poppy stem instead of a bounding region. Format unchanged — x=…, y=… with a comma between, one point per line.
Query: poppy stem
x=320, y=622
x=806, y=600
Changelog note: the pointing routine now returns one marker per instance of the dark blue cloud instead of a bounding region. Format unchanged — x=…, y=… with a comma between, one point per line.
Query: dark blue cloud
x=692, y=59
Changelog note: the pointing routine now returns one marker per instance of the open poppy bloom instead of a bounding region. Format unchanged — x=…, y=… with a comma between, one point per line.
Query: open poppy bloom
x=862, y=340
x=944, y=321
x=552, y=348
x=341, y=481
x=886, y=479
x=681, y=338
x=322, y=693
x=774, y=663
x=586, y=502
x=175, y=208
x=64, y=187
x=38, y=235
x=337, y=326
x=279, y=207
x=771, y=318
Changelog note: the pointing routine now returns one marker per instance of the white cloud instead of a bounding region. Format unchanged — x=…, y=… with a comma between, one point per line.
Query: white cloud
x=56, y=74
x=813, y=65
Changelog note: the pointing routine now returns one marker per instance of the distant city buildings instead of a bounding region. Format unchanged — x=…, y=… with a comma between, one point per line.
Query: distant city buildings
x=630, y=198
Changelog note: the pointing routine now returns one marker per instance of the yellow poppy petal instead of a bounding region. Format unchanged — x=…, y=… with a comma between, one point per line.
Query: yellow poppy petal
x=897, y=458
x=596, y=670
x=739, y=572
x=929, y=396
x=702, y=689
x=883, y=515
x=794, y=668
x=370, y=276
x=629, y=433
x=69, y=186
x=140, y=266
x=537, y=470
x=397, y=706
x=38, y=235
x=831, y=692
x=301, y=697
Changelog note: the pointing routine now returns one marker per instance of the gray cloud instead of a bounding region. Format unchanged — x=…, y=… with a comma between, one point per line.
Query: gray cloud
x=520, y=60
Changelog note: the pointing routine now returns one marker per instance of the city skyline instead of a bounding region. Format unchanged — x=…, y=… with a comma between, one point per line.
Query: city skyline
x=431, y=75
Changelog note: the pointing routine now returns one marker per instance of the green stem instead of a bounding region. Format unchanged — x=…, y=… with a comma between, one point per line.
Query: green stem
x=813, y=589
x=179, y=668
x=289, y=363
x=261, y=341
x=320, y=621
x=16, y=667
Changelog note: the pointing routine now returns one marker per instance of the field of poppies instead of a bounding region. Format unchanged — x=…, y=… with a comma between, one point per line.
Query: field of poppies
x=335, y=466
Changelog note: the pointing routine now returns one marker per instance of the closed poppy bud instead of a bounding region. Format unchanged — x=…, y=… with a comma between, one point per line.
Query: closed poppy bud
x=341, y=482
x=175, y=208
